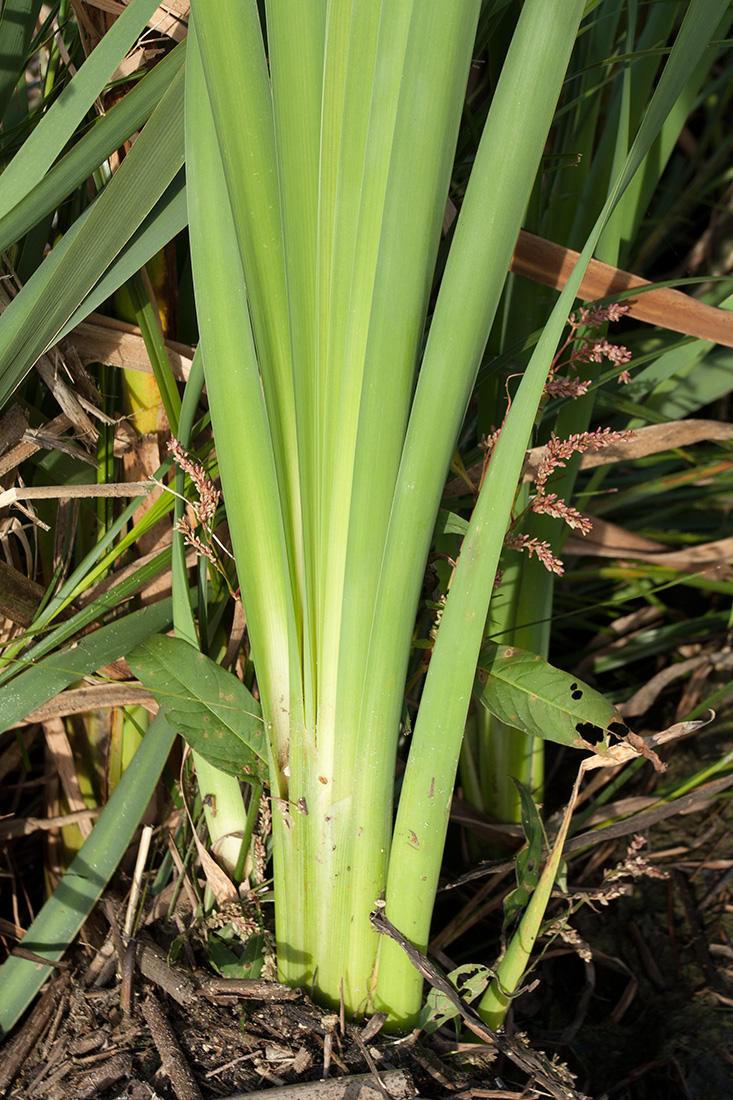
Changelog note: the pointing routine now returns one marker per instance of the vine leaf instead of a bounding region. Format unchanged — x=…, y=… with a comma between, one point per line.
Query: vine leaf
x=524, y=691
x=207, y=705
x=469, y=981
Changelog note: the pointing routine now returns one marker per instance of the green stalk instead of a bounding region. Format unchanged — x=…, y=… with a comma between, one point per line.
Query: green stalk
x=331, y=504
x=411, y=136
x=505, y=166
x=506, y=753
x=249, y=479
x=378, y=133
x=316, y=182
x=296, y=38
x=428, y=782
x=235, y=71
x=512, y=967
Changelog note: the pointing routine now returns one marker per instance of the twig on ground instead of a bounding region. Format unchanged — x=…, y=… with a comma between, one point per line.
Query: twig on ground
x=173, y=1060
x=398, y=1083
x=532, y=1063
x=18, y=1050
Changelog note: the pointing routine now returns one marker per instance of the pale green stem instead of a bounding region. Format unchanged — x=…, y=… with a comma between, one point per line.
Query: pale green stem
x=512, y=967
x=252, y=492
x=505, y=166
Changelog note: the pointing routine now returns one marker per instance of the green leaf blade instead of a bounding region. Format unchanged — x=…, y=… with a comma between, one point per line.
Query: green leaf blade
x=45, y=679
x=524, y=691
x=100, y=141
x=207, y=705
x=51, y=135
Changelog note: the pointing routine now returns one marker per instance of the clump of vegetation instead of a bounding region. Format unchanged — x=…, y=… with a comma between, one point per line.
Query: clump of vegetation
x=339, y=251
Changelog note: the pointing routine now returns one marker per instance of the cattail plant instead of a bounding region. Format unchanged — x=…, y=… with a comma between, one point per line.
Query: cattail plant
x=319, y=141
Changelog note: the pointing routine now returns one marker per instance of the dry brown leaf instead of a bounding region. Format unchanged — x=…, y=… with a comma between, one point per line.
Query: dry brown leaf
x=104, y=340
x=12, y=426
x=114, y=7
x=41, y=439
x=57, y=742
x=642, y=700
x=69, y=492
x=25, y=826
x=31, y=442
x=140, y=58
x=20, y=597
x=141, y=461
x=608, y=540
x=221, y=885
x=650, y=440
x=632, y=746
x=92, y=697
x=171, y=18
x=678, y=731
x=551, y=264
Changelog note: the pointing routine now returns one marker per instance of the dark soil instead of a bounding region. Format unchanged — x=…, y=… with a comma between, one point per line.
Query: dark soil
x=634, y=995
x=645, y=1014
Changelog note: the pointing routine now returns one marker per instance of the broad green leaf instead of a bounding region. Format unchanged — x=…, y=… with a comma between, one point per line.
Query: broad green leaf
x=248, y=964
x=79, y=890
x=207, y=705
x=524, y=691
x=469, y=981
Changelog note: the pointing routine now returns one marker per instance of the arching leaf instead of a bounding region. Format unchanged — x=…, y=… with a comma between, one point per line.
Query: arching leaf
x=207, y=705
x=524, y=691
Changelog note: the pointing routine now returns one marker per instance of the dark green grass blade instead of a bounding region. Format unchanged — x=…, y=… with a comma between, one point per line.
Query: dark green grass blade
x=105, y=136
x=33, y=320
x=78, y=892
x=17, y=23
x=57, y=127
x=42, y=681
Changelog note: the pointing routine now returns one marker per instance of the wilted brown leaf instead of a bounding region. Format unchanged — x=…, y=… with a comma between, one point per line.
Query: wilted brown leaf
x=551, y=264
x=650, y=440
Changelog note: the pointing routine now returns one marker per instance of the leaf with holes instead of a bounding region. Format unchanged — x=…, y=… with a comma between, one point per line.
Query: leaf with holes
x=524, y=691
x=207, y=705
